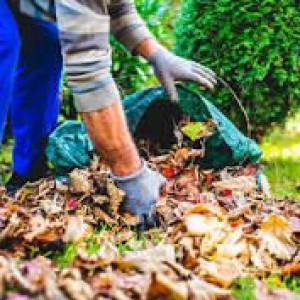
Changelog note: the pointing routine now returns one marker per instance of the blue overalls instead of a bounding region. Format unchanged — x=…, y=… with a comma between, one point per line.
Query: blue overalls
x=30, y=73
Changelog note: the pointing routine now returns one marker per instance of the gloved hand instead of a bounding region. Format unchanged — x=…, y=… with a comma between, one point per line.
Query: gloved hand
x=170, y=68
x=142, y=191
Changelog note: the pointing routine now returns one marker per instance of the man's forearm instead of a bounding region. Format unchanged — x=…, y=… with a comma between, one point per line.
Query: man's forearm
x=108, y=130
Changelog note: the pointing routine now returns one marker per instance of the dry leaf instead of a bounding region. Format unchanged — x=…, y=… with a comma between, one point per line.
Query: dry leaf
x=162, y=287
x=76, y=229
x=200, y=225
x=116, y=197
x=245, y=184
x=80, y=182
x=223, y=272
x=276, y=234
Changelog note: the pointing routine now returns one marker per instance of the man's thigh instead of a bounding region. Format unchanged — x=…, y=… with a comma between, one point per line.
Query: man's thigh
x=9, y=54
x=35, y=104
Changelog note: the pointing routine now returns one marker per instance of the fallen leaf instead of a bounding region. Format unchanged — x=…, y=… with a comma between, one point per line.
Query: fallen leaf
x=116, y=197
x=80, y=182
x=275, y=233
x=291, y=269
x=17, y=297
x=223, y=272
x=199, y=225
x=164, y=288
x=197, y=130
x=76, y=229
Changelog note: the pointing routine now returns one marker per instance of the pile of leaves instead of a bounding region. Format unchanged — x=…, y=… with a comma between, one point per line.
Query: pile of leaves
x=71, y=240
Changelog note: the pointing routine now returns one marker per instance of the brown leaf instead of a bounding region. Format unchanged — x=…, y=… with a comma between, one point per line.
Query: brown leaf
x=76, y=229
x=80, y=182
x=222, y=272
x=275, y=234
x=164, y=288
x=101, y=216
x=291, y=269
x=48, y=237
x=116, y=197
x=200, y=225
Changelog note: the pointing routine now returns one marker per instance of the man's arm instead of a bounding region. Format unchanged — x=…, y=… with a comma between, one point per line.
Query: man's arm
x=126, y=24
x=84, y=31
x=130, y=29
x=84, y=34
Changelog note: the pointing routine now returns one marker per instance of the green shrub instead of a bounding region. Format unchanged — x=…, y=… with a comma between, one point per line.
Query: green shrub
x=254, y=45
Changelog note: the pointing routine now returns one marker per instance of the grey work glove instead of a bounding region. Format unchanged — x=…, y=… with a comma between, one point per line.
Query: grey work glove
x=142, y=191
x=170, y=68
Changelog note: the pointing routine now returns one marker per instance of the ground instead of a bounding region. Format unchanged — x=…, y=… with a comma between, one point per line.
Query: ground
x=281, y=158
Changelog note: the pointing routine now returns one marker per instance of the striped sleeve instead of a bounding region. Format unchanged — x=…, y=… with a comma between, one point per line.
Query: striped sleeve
x=126, y=24
x=38, y=9
x=84, y=27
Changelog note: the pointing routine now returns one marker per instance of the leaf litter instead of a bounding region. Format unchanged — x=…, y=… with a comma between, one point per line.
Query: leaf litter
x=214, y=227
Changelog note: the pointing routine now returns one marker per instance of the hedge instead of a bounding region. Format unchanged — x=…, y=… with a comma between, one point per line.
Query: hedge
x=254, y=45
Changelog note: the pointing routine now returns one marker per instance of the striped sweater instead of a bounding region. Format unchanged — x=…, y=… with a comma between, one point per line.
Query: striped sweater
x=84, y=27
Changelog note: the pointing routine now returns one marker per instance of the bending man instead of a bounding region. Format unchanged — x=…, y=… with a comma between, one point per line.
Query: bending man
x=84, y=27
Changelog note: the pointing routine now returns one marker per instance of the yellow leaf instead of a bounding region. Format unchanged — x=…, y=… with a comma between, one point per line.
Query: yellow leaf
x=196, y=130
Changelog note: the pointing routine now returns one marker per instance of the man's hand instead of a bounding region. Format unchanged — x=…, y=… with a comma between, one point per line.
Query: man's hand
x=170, y=68
x=142, y=192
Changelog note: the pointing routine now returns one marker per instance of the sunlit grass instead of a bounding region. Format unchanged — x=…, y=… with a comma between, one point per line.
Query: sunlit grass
x=282, y=157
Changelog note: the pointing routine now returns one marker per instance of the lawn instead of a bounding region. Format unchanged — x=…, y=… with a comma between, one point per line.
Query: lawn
x=281, y=148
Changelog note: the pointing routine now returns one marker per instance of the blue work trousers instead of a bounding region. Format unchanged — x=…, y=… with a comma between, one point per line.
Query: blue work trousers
x=30, y=74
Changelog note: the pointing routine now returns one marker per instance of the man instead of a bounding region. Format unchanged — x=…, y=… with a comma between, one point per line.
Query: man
x=84, y=27
x=30, y=71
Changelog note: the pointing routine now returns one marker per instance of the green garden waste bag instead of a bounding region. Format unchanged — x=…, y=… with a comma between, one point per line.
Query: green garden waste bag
x=69, y=145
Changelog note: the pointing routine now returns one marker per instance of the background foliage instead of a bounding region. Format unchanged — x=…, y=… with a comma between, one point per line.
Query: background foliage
x=132, y=73
x=254, y=45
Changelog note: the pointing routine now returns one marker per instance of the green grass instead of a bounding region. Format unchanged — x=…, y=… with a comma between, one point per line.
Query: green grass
x=65, y=257
x=282, y=158
x=289, y=282
x=5, y=160
x=244, y=289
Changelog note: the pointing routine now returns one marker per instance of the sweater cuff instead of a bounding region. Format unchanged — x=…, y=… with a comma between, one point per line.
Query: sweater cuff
x=132, y=37
x=132, y=176
x=97, y=98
